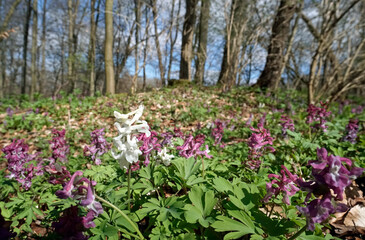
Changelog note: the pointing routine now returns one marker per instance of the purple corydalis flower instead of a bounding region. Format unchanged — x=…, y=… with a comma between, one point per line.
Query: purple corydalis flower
x=262, y=121
x=81, y=189
x=257, y=143
x=99, y=146
x=167, y=136
x=217, y=131
x=59, y=174
x=286, y=123
x=90, y=202
x=191, y=147
x=285, y=183
x=87, y=221
x=10, y=112
x=249, y=120
x=67, y=189
x=19, y=164
x=358, y=110
x=330, y=174
x=58, y=145
x=149, y=143
x=318, y=210
x=319, y=115
x=352, y=129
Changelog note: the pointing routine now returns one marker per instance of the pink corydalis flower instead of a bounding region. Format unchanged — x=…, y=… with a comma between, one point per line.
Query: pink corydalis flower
x=19, y=163
x=318, y=115
x=286, y=123
x=80, y=188
x=59, y=147
x=330, y=174
x=318, y=210
x=217, y=131
x=352, y=129
x=284, y=183
x=258, y=144
x=149, y=143
x=191, y=147
x=99, y=146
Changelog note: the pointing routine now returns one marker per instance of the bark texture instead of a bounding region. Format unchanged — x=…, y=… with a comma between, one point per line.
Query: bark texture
x=203, y=40
x=235, y=27
x=187, y=39
x=271, y=74
x=108, y=55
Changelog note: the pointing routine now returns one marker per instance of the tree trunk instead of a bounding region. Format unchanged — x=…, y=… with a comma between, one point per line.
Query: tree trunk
x=108, y=55
x=173, y=38
x=137, y=12
x=3, y=27
x=92, y=49
x=43, y=40
x=70, y=41
x=157, y=41
x=25, y=47
x=235, y=27
x=271, y=74
x=187, y=39
x=203, y=39
x=145, y=48
x=33, y=87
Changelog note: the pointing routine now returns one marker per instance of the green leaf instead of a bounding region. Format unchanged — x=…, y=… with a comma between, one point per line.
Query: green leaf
x=195, y=196
x=222, y=185
x=238, y=229
x=192, y=213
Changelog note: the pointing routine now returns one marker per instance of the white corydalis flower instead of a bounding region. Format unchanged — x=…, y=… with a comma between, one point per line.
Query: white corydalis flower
x=166, y=158
x=126, y=143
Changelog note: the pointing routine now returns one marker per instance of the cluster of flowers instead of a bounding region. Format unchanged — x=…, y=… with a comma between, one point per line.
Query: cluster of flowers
x=257, y=144
x=99, y=146
x=286, y=184
x=217, y=132
x=82, y=189
x=19, y=163
x=149, y=143
x=358, y=109
x=191, y=147
x=352, y=129
x=318, y=114
x=9, y=112
x=127, y=151
x=59, y=146
x=286, y=123
x=330, y=177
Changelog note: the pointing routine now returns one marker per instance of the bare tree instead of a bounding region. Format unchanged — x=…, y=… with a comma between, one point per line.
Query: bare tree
x=271, y=75
x=340, y=76
x=187, y=39
x=235, y=26
x=137, y=11
x=3, y=27
x=33, y=87
x=203, y=41
x=25, y=46
x=173, y=36
x=43, y=46
x=108, y=55
x=157, y=41
x=93, y=26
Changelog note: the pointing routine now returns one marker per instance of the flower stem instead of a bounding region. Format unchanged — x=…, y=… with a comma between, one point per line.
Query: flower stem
x=129, y=187
x=298, y=233
x=203, y=172
x=133, y=224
